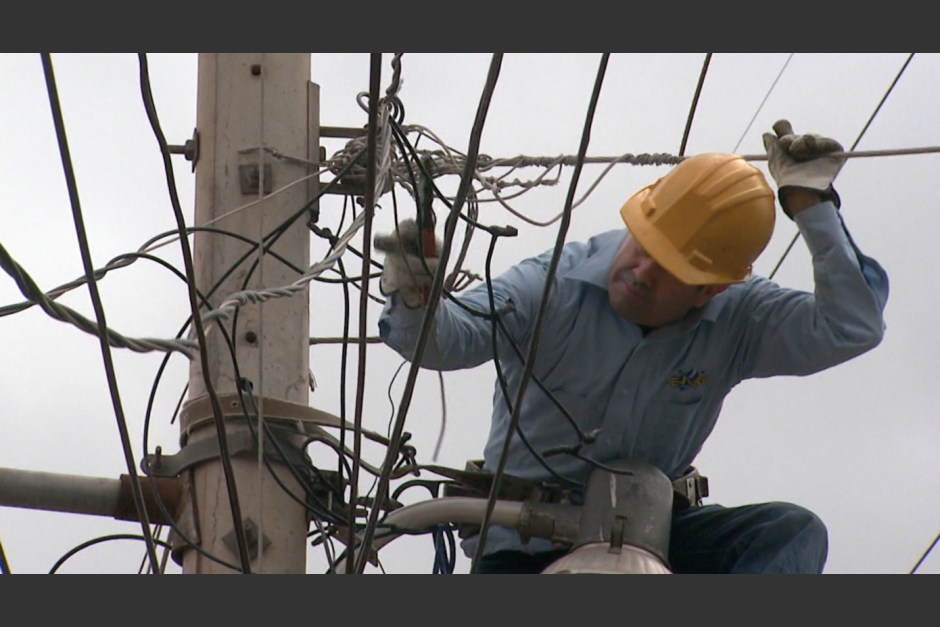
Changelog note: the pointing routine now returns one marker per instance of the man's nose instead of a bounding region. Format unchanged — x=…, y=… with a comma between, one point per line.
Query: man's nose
x=646, y=271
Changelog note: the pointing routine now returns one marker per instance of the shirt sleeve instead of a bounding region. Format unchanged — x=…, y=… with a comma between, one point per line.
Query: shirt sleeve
x=791, y=332
x=462, y=334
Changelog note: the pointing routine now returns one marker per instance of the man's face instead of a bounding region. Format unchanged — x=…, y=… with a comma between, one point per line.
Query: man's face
x=643, y=293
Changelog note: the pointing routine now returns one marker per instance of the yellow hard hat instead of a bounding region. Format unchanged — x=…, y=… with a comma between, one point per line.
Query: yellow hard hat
x=705, y=222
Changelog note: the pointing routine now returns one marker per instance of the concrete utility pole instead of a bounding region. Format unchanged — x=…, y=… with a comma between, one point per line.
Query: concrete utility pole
x=246, y=100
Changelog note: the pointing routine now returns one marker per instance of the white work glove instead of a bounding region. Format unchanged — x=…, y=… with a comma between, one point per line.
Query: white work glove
x=405, y=273
x=804, y=161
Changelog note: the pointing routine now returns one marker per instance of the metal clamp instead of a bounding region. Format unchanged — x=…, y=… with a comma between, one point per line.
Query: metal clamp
x=689, y=489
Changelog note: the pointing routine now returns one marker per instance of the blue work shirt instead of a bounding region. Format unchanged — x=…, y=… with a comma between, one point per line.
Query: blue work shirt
x=654, y=397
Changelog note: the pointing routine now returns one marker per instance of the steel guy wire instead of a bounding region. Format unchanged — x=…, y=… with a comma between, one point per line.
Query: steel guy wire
x=851, y=151
x=760, y=107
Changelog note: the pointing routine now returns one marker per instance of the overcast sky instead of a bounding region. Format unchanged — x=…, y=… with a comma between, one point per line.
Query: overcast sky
x=857, y=444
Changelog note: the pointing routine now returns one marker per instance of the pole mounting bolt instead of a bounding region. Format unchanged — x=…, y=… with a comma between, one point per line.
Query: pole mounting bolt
x=189, y=150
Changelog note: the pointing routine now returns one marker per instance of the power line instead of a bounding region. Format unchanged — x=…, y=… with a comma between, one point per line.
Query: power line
x=760, y=107
x=98, y=306
x=854, y=144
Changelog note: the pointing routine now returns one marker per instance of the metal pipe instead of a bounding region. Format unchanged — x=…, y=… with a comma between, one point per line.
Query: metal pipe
x=454, y=509
x=59, y=493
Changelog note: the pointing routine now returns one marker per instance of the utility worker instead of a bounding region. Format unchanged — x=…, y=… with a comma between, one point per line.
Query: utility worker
x=647, y=330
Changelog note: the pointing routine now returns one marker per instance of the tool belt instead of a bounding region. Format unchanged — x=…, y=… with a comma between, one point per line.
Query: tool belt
x=688, y=490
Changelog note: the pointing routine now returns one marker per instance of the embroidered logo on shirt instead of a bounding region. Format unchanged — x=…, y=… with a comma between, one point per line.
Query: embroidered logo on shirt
x=688, y=380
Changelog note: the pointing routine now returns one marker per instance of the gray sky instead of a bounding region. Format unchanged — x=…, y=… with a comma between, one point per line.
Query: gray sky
x=856, y=444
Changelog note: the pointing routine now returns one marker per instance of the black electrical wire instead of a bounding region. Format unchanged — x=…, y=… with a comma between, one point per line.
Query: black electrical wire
x=496, y=316
x=205, y=302
x=337, y=448
x=271, y=435
x=344, y=351
x=445, y=549
x=97, y=304
x=270, y=240
x=150, y=477
x=375, y=75
x=924, y=556
x=324, y=511
x=110, y=538
x=35, y=295
x=354, y=280
x=143, y=562
x=272, y=236
x=232, y=352
x=698, y=92
x=146, y=427
x=321, y=512
x=225, y=456
x=854, y=144
x=436, y=290
x=501, y=377
x=536, y=331
x=343, y=364
x=404, y=147
x=4, y=564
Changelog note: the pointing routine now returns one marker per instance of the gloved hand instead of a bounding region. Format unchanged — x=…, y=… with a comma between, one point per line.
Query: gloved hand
x=804, y=161
x=405, y=272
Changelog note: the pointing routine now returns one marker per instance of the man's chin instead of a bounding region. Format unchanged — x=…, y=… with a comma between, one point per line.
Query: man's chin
x=627, y=309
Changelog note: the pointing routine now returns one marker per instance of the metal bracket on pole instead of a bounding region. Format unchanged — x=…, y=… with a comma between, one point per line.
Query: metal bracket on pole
x=198, y=413
x=200, y=451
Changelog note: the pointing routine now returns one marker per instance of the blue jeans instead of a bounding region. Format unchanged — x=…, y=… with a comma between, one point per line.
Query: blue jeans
x=775, y=538
x=767, y=538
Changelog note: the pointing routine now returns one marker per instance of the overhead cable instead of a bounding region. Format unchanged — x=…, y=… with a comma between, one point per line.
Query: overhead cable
x=698, y=92
x=543, y=305
x=225, y=456
x=926, y=553
x=760, y=107
x=437, y=287
x=368, y=212
x=79, y=221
